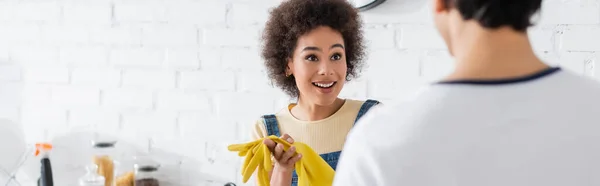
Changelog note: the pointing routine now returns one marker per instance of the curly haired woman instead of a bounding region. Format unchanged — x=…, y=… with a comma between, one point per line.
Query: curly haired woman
x=311, y=49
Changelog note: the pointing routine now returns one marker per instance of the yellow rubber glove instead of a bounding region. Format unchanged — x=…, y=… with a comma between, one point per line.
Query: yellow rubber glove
x=311, y=169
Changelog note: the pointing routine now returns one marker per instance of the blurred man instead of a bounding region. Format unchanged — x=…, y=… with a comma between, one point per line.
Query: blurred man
x=502, y=117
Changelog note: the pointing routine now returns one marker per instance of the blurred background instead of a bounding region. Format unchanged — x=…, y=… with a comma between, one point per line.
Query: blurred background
x=185, y=77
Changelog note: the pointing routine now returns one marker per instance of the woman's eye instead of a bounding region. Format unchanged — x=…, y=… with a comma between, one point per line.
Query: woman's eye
x=336, y=57
x=311, y=58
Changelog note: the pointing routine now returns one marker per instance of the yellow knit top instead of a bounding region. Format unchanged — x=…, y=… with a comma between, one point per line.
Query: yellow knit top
x=323, y=136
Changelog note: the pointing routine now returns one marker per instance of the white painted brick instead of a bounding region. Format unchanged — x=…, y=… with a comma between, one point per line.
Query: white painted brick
x=84, y=56
x=151, y=79
x=254, y=81
x=127, y=99
x=47, y=75
x=36, y=94
x=136, y=143
x=196, y=12
x=574, y=61
x=405, y=63
x=281, y=101
x=19, y=33
x=580, y=38
x=74, y=97
x=400, y=88
x=550, y=58
x=37, y=11
x=34, y=134
x=226, y=171
x=570, y=12
x=161, y=35
x=96, y=77
x=137, y=57
x=194, y=124
x=10, y=94
x=217, y=151
x=183, y=101
x=437, y=65
x=82, y=12
x=590, y=65
x=131, y=11
x=10, y=73
x=355, y=89
x=102, y=119
x=117, y=35
x=405, y=66
x=379, y=38
x=207, y=80
x=420, y=37
x=54, y=34
x=255, y=105
x=34, y=55
x=242, y=58
x=210, y=58
x=246, y=128
x=4, y=54
x=231, y=37
x=10, y=113
x=169, y=148
x=595, y=61
x=250, y=13
x=58, y=132
x=42, y=118
x=150, y=124
x=6, y=10
x=542, y=39
x=183, y=58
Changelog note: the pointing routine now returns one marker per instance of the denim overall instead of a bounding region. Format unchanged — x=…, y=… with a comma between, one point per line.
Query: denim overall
x=331, y=158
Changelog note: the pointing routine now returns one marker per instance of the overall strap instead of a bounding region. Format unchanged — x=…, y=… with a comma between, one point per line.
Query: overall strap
x=271, y=125
x=365, y=108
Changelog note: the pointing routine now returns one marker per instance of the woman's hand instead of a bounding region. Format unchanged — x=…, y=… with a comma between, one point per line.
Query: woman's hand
x=284, y=160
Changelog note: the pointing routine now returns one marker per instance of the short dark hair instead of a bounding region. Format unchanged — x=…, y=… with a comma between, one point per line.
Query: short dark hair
x=294, y=18
x=497, y=13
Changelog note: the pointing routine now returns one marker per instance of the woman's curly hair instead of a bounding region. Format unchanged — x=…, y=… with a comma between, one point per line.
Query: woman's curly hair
x=294, y=18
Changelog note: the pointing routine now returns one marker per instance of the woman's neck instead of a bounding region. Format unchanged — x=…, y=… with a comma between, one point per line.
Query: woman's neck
x=306, y=110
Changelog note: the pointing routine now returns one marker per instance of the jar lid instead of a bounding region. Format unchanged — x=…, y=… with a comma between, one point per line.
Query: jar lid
x=145, y=163
x=146, y=168
x=103, y=144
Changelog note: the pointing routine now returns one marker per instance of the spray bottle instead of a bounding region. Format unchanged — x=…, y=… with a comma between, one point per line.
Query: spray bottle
x=46, y=169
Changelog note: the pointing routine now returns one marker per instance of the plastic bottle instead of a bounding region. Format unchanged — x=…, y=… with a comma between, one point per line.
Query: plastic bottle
x=46, y=167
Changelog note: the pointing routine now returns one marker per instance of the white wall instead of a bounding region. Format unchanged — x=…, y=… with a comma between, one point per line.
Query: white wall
x=186, y=73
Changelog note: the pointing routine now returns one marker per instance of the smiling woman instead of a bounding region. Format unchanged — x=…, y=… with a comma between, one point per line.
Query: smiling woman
x=311, y=49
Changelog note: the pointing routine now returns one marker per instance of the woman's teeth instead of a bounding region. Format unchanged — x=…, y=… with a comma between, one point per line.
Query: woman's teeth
x=322, y=85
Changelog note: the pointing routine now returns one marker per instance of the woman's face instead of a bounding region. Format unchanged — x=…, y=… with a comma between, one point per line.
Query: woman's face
x=319, y=65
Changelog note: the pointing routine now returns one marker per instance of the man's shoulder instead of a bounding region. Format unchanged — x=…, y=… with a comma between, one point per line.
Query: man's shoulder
x=572, y=78
x=384, y=120
x=585, y=87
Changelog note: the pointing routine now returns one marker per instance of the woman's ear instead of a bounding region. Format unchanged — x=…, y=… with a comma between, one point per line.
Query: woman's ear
x=289, y=70
x=440, y=6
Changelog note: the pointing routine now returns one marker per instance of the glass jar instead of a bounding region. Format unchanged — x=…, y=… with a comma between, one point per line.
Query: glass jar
x=92, y=178
x=146, y=171
x=104, y=152
x=146, y=175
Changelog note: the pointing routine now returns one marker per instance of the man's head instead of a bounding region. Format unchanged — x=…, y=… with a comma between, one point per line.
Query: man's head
x=451, y=16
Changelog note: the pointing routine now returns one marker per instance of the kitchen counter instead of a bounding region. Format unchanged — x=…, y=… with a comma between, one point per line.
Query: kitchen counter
x=71, y=153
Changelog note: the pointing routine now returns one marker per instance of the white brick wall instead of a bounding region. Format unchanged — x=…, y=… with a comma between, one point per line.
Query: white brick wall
x=190, y=69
